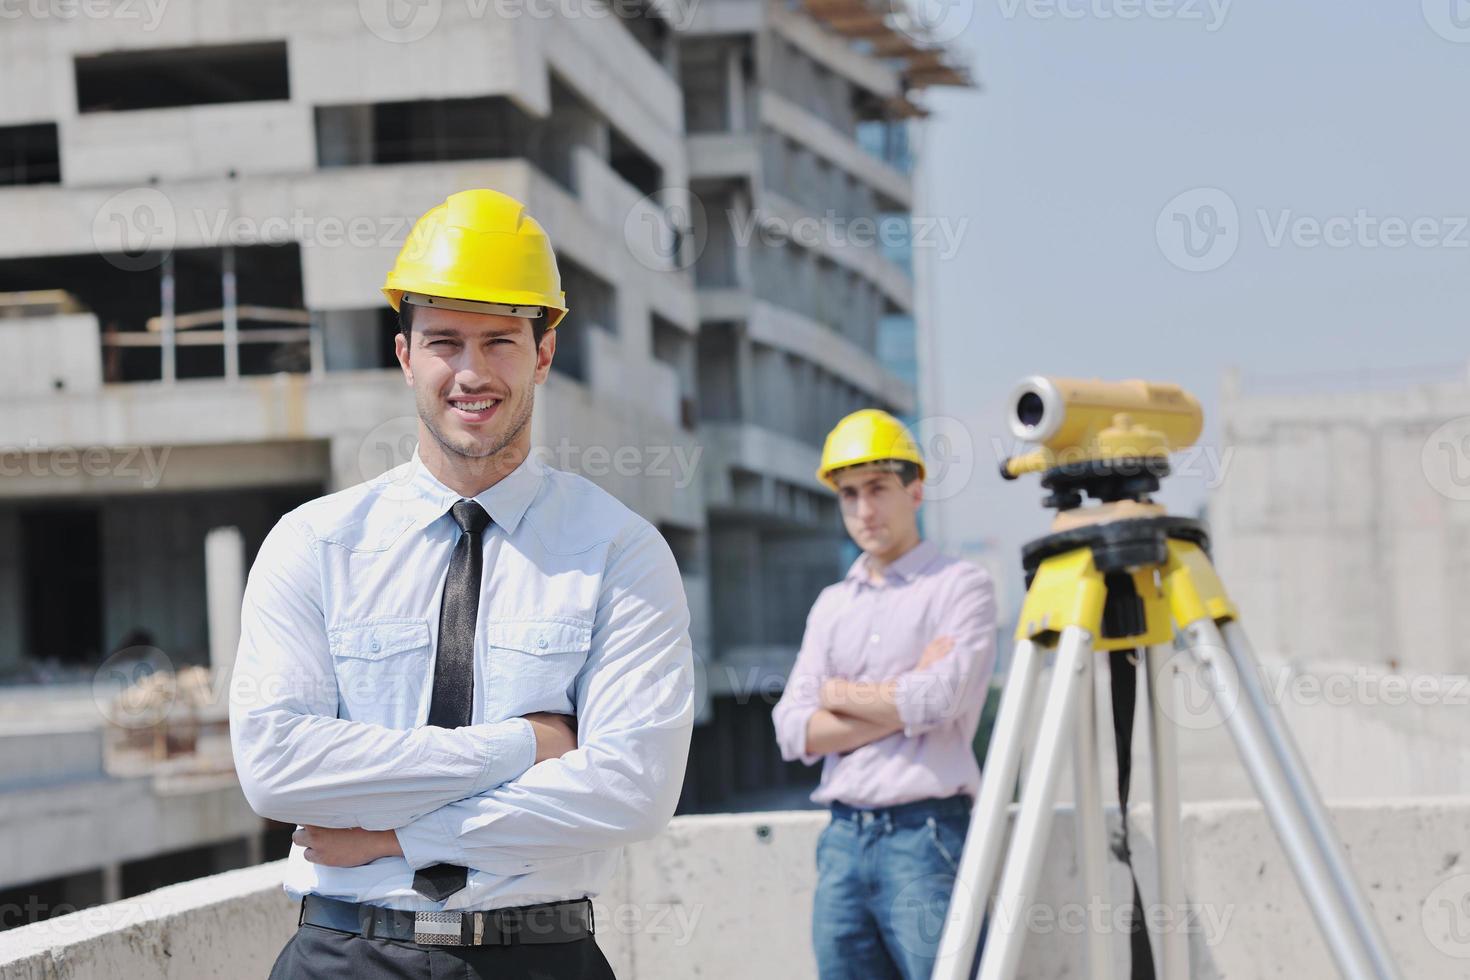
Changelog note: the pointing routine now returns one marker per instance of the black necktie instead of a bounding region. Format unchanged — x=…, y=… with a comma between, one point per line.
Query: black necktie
x=454, y=667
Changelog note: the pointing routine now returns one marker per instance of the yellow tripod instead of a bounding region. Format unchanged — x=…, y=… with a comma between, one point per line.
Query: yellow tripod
x=1124, y=575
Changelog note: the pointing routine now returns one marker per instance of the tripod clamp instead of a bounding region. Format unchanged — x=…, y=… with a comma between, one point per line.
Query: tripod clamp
x=1117, y=546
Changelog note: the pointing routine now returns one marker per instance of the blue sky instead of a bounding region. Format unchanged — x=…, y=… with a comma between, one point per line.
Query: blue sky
x=1343, y=118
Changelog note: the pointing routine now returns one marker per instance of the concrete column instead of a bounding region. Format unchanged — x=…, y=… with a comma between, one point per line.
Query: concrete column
x=740, y=209
x=745, y=368
x=735, y=109
x=224, y=580
x=111, y=883
x=166, y=304
x=12, y=626
x=231, y=314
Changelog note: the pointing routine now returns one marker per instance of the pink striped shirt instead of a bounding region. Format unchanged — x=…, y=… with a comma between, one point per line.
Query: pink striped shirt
x=863, y=630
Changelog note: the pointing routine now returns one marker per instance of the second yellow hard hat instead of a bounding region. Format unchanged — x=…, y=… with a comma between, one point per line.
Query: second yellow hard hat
x=867, y=436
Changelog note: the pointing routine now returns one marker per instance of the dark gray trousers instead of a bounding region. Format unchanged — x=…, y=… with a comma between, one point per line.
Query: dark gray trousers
x=317, y=953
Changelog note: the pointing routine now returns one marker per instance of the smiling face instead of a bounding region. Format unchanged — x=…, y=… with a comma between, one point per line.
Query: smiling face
x=474, y=378
x=880, y=513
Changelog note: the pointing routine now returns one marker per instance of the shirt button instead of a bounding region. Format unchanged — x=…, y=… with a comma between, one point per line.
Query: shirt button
x=873, y=638
x=376, y=646
x=541, y=643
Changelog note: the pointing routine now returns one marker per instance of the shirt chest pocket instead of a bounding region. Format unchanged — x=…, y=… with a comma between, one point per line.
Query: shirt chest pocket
x=532, y=664
x=381, y=668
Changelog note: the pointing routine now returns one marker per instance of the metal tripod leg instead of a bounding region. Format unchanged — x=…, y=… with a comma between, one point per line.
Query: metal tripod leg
x=1273, y=786
x=1092, y=842
x=1173, y=943
x=1002, y=952
x=988, y=824
x=1308, y=801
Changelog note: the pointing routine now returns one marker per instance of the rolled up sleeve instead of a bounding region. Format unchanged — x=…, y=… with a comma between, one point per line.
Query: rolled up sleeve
x=938, y=695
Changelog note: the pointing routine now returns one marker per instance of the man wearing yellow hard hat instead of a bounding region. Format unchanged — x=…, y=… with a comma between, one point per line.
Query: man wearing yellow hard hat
x=887, y=692
x=469, y=682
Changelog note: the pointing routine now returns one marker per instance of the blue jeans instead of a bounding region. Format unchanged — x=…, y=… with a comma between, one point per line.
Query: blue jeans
x=884, y=879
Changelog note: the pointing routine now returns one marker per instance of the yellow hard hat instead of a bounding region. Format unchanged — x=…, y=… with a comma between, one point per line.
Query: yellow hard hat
x=867, y=436
x=479, y=246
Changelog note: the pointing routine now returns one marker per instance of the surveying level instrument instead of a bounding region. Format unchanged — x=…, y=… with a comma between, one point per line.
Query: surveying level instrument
x=1123, y=577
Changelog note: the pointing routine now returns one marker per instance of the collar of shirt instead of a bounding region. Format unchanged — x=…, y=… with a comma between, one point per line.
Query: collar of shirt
x=909, y=564
x=506, y=501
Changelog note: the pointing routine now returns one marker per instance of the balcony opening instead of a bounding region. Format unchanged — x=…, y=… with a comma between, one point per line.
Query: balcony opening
x=86, y=577
x=166, y=78
x=685, y=545
x=632, y=164
x=359, y=340
x=720, y=373
x=593, y=305
x=649, y=28
x=675, y=346
x=884, y=138
x=716, y=75
x=265, y=316
x=29, y=155
x=422, y=131
x=62, y=586
x=150, y=873
x=38, y=901
x=438, y=130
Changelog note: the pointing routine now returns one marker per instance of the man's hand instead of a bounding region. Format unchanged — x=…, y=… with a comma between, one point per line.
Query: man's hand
x=936, y=651
x=346, y=847
x=556, y=735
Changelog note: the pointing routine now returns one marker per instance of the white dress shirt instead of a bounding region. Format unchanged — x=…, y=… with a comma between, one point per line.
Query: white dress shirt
x=582, y=611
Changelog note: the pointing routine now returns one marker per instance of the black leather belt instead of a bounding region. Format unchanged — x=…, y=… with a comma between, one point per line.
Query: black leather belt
x=552, y=922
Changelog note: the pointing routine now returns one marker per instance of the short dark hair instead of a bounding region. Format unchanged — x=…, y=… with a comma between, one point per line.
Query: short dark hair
x=405, y=323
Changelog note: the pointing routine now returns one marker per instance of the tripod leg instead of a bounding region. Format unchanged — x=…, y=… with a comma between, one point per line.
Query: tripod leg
x=987, y=834
x=1002, y=953
x=1173, y=943
x=1308, y=801
x=1272, y=785
x=1092, y=842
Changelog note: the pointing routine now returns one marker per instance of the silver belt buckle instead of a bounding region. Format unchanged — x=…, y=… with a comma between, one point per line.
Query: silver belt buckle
x=438, y=928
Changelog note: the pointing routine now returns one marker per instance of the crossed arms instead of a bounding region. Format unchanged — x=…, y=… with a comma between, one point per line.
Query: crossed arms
x=821, y=713
x=478, y=796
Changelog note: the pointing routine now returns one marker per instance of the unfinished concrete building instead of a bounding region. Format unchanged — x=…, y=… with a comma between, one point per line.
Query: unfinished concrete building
x=201, y=204
x=799, y=123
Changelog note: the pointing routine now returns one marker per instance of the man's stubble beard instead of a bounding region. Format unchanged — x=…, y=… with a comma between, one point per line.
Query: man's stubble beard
x=518, y=424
